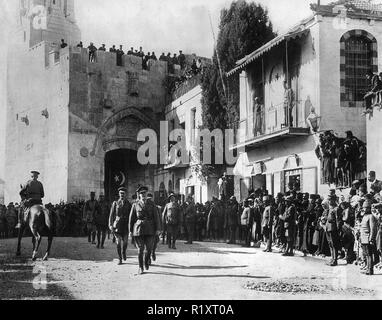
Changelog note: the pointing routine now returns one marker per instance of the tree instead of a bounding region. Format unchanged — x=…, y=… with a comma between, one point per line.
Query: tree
x=244, y=27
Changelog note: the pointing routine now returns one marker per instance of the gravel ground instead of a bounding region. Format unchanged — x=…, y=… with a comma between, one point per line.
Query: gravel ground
x=203, y=271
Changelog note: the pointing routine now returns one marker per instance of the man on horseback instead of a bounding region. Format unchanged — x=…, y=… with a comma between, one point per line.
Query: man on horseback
x=31, y=194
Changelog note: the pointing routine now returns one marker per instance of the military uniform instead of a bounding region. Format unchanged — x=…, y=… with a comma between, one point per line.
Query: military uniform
x=119, y=224
x=101, y=222
x=190, y=220
x=31, y=194
x=289, y=218
x=266, y=225
x=90, y=210
x=172, y=219
x=245, y=221
x=232, y=220
x=157, y=238
x=332, y=232
x=144, y=224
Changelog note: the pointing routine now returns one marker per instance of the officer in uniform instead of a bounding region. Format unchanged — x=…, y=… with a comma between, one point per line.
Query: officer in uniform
x=267, y=222
x=332, y=229
x=119, y=223
x=232, y=219
x=172, y=219
x=90, y=211
x=190, y=219
x=289, y=219
x=33, y=192
x=144, y=225
x=150, y=197
x=101, y=221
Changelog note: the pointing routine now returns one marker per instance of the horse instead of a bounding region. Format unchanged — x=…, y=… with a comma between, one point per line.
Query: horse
x=39, y=221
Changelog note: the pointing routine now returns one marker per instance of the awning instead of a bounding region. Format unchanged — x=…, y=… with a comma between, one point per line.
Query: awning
x=297, y=31
x=243, y=167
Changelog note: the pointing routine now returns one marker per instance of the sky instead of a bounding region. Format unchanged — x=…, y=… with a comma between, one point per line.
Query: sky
x=156, y=25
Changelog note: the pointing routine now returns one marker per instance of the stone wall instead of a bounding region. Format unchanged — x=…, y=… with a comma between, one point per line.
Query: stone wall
x=37, y=122
x=109, y=104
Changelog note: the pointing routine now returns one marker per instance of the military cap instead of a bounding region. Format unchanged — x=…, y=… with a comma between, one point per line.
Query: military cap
x=251, y=200
x=171, y=195
x=35, y=172
x=355, y=182
x=123, y=189
x=232, y=198
x=142, y=189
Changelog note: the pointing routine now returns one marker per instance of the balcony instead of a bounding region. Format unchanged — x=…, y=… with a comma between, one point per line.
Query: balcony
x=271, y=126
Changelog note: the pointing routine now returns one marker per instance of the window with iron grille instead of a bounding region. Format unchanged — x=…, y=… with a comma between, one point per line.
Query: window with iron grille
x=358, y=60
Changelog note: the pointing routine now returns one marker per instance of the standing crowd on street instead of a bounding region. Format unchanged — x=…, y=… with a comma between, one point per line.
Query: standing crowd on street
x=347, y=227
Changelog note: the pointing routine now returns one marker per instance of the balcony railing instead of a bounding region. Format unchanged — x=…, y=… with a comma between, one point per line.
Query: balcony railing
x=266, y=124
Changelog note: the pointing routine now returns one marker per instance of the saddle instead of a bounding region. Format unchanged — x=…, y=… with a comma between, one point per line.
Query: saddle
x=26, y=207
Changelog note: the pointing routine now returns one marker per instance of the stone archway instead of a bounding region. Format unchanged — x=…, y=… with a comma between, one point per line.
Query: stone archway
x=116, y=133
x=119, y=149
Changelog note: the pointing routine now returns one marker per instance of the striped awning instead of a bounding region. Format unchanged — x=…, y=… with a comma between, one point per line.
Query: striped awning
x=296, y=32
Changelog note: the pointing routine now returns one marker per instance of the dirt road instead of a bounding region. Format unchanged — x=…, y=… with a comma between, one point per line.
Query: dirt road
x=203, y=271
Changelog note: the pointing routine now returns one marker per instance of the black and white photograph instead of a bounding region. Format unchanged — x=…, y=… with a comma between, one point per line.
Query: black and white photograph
x=190, y=150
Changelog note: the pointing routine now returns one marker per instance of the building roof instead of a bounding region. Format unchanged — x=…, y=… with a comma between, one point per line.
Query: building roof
x=297, y=31
x=356, y=8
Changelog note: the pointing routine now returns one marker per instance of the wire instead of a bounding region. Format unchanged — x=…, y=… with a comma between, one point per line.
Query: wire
x=217, y=56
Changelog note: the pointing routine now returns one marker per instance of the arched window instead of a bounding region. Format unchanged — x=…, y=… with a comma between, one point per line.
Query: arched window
x=358, y=55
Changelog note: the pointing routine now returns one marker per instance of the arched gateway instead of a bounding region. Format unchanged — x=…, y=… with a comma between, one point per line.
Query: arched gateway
x=119, y=148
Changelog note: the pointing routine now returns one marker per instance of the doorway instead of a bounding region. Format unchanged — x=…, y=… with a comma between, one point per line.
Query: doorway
x=121, y=170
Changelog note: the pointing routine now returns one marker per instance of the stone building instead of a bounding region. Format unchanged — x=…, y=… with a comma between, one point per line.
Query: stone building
x=185, y=179
x=76, y=121
x=324, y=60
x=73, y=120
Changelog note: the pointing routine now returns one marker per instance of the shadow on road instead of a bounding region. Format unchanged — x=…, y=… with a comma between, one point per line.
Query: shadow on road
x=206, y=275
x=23, y=281
x=175, y=266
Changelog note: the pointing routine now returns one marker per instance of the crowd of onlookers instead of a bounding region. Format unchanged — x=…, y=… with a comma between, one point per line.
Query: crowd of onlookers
x=172, y=59
x=340, y=226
